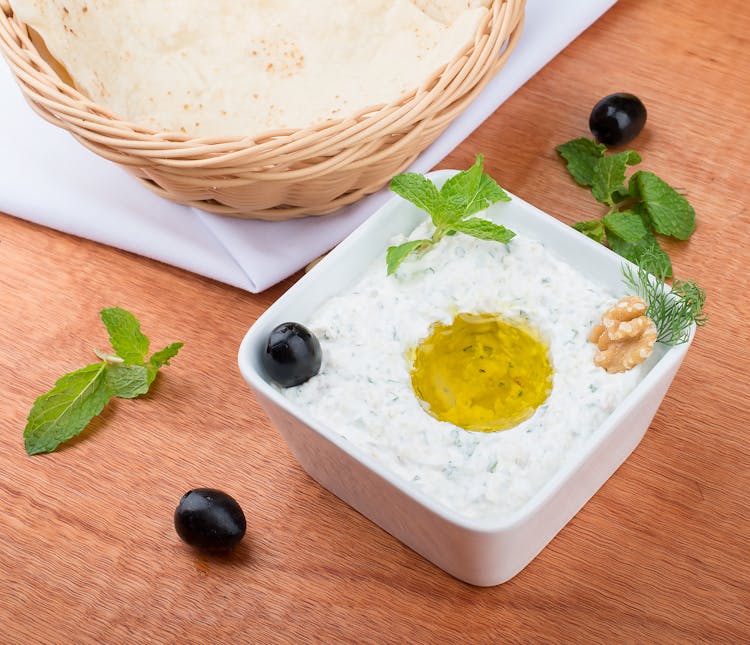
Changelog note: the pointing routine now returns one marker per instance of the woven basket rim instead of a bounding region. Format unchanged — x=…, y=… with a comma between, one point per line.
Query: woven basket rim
x=277, y=174
x=184, y=144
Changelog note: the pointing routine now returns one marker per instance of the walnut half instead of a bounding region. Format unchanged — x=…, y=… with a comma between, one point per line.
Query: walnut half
x=625, y=337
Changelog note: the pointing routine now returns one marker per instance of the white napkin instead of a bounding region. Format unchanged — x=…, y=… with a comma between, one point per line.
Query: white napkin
x=49, y=178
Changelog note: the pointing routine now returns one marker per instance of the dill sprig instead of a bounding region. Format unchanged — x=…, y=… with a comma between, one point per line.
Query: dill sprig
x=673, y=311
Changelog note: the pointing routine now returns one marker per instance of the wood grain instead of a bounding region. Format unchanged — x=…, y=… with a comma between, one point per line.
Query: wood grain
x=661, y=553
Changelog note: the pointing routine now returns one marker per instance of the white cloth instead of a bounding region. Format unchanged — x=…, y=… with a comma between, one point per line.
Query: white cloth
x=49, y=178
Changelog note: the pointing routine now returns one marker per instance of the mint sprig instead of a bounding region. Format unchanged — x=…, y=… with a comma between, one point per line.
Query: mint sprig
x=450, y=208
x=77, y=397
x=638, y=209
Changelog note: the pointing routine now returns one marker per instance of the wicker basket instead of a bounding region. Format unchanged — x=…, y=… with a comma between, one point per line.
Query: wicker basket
x=281, y=174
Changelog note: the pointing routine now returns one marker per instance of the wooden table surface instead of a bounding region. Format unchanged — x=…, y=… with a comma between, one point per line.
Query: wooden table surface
x=89, y=552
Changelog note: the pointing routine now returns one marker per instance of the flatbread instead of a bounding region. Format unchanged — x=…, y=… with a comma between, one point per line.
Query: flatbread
x=242, y=67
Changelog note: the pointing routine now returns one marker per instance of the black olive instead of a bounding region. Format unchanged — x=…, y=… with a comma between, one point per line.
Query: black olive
x=617, y=119
x=209, y=520
x=292, y=354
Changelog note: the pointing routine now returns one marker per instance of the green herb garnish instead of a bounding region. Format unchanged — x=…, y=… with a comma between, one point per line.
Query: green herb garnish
x=450, y=208
x=64, y=411
x=637, y=209
x=673, y=312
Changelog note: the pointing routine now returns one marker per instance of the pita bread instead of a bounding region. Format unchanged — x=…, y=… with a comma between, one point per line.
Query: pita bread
x=242, y=67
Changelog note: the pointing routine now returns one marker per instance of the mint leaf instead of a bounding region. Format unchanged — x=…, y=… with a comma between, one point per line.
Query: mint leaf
x=669, y=212
x=609, y=175
x=581, y=156
x=471, y=191
x=66, y=409
x=484, y=230
x=645, y=252
x=421, y=191
x=591, y=228
x=627, y=225
x=163, y=356
x=125, y=335
x=459, y=189
x=397, y=254
x=160, y=358
x=127, y=381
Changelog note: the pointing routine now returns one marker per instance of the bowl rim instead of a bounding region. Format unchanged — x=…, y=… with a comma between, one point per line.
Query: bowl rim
x=671, y=357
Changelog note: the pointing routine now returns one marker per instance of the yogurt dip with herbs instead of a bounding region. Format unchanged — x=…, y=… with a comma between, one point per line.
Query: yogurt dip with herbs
x=364, y=389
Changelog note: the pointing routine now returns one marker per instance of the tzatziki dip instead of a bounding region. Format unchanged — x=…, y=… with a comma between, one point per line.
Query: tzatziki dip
x=364, y=388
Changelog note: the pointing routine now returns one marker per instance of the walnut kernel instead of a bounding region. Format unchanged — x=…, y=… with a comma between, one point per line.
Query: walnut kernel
x=625, y=337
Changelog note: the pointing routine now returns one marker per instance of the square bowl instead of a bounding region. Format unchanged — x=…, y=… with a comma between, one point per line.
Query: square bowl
x=484, y=551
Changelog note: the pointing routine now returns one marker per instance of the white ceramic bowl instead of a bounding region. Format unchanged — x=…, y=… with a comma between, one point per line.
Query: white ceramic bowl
x=478, y=551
